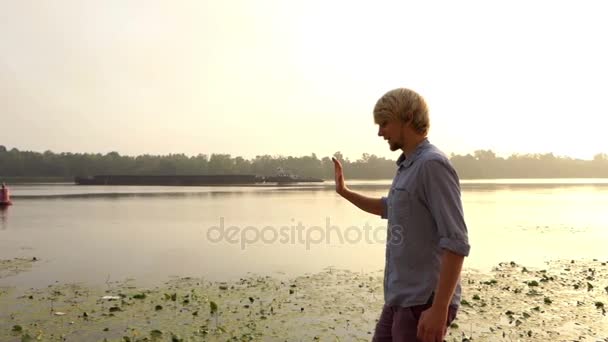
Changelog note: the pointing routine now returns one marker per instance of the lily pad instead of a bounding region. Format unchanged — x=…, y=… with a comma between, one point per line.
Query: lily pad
x=212, y=307
x=156, y=333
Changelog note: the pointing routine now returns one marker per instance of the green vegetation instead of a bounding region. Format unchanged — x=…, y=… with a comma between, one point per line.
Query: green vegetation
x=26, y=165
x=332, y=305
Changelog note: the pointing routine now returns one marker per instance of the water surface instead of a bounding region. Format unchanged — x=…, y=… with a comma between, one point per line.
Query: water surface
x=93, y=234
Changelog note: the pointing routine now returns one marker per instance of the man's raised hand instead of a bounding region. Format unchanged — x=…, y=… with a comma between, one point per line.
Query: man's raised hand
x=339, y=175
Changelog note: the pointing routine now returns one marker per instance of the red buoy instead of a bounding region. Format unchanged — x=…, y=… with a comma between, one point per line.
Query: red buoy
x=5, y=197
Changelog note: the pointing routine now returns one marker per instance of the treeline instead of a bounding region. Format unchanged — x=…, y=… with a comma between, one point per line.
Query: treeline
x=480, y=164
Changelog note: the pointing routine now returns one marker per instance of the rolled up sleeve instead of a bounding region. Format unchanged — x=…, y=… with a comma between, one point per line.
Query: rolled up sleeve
x=442, y=193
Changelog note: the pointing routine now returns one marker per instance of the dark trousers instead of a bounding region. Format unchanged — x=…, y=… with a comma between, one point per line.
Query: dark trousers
x=398, y=324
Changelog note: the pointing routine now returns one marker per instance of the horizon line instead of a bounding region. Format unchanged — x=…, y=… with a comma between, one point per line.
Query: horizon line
x=450, y=155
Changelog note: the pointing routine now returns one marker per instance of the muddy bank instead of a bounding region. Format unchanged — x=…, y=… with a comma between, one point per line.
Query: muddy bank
x=15, y=266
x=565, y=301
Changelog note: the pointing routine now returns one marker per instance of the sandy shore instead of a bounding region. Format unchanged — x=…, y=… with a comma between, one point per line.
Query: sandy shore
x=565, y=301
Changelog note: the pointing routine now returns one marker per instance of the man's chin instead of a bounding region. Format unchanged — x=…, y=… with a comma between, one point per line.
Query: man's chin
x=394, y=147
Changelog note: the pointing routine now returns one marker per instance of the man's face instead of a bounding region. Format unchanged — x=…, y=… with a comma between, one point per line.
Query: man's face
x=392, y=131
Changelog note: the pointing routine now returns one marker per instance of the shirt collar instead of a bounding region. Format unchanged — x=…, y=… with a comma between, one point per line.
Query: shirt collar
x=408, y=159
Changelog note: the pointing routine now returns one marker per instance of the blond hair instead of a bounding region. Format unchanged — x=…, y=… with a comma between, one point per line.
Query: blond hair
x=404, y=104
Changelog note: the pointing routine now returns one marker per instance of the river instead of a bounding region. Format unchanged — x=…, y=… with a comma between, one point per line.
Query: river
x=96, y=234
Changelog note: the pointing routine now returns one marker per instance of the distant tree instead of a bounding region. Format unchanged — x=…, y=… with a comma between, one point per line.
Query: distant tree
x=600, y=157
x=484, y=155
x=480, y=164
x=221, y=163
x=338, y=155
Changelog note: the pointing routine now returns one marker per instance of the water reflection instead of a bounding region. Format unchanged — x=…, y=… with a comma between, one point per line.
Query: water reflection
x=63, y=191
x=155, y=232
x=119, y=195
x=530, y=187
x=3, y=217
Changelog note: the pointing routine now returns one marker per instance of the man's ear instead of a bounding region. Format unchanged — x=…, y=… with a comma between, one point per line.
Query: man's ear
x=409, y=118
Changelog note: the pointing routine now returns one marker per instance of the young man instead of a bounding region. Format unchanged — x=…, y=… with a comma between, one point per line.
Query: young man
x=427, y=237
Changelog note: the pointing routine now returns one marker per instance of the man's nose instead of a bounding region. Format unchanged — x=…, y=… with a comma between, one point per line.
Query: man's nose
x=379, y=131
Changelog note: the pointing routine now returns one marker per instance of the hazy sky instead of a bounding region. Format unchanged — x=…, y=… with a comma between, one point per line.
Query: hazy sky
x=289, y=77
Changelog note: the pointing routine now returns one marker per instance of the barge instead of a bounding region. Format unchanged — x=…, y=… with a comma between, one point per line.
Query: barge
x=190, y=180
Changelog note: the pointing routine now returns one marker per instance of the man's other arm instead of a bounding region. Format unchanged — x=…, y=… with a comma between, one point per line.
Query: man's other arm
x=376, y=206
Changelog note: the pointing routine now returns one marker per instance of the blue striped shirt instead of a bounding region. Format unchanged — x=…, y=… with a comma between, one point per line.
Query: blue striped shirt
x=425, y=216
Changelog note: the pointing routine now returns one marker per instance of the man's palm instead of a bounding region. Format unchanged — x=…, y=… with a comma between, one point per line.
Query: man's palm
x=338, y=175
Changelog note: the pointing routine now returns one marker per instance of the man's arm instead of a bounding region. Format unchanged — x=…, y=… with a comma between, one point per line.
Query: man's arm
x=370, y=204
x=442, y=193
x=432, y=326
x=451, y=266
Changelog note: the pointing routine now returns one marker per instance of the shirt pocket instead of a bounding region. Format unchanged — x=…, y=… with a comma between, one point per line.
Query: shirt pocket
x=399, y=214
x=400, y=203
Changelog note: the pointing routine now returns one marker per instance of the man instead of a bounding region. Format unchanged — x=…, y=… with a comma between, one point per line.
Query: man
x=427, y=237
